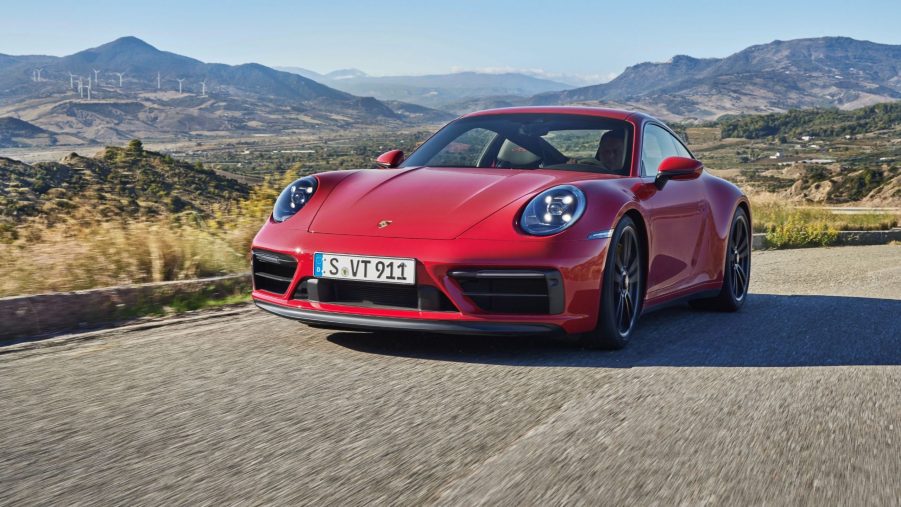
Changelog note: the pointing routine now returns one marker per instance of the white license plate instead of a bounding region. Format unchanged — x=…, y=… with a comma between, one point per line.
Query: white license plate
x=360, y=267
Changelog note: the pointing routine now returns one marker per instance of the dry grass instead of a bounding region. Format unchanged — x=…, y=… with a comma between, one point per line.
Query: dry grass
x=88, y=253
x=770, y=212
x=789, y=226
x=81, y=256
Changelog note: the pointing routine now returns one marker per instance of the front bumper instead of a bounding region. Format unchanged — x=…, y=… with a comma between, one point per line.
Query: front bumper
x=579, y=264
x=334, y=320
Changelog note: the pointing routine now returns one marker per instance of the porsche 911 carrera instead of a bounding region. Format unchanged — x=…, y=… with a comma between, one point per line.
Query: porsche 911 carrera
x=542, y=220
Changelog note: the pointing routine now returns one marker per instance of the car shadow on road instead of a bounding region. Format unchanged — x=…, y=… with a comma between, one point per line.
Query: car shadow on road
x=771, y=330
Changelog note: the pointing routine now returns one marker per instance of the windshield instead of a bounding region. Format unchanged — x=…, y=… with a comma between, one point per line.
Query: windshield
x=530, y=141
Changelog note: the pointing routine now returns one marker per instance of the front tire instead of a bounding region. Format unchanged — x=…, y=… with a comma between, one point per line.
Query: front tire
x=621, y=290
x=737, y=269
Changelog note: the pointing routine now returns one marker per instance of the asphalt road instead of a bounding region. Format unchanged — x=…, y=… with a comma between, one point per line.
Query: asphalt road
x=794, y=400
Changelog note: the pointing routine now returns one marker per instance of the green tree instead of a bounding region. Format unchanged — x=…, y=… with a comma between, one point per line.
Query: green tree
x=135, y=148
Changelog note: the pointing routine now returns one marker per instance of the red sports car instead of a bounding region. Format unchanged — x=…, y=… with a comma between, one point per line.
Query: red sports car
x=510, y=221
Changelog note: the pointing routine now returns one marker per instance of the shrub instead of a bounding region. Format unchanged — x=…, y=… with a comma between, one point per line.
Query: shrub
x=135, y=148
x=795, y=233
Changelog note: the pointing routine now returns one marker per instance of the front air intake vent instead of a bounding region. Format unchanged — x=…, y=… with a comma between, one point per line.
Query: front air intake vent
x=513, y=291
x=273, y=271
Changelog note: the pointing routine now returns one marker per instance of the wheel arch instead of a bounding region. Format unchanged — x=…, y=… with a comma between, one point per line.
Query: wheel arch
x=643, y=236
x=725, y=199
x=741, y=204
x=600, y=336
x=746, y=206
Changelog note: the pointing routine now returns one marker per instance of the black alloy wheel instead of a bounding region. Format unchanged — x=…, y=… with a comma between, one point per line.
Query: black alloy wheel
x=625, y=280
x=737, y=269
x=739, y=257
x=621, y=290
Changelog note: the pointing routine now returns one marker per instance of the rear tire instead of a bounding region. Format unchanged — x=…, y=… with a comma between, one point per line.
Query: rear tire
x=621, y=290
x=737, y=269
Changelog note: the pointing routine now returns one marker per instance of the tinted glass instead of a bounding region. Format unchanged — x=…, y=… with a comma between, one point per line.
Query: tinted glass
x=530, y=141
x=657, y=145
x=680, y=149
x=465, y=150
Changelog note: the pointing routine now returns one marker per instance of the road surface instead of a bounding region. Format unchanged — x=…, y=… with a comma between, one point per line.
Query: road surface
x=794, y=400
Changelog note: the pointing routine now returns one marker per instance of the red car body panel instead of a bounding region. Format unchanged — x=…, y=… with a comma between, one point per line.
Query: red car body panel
x=460, y=218
x=436, y=258
x=425, y=202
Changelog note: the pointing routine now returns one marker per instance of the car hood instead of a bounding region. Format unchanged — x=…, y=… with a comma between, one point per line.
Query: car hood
x=425, y=202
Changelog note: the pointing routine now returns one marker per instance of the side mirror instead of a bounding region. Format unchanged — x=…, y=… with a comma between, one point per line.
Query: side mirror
x=390, y=159
x=677, y=168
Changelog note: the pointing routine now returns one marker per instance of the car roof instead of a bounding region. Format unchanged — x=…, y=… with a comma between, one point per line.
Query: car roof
x=617, y=114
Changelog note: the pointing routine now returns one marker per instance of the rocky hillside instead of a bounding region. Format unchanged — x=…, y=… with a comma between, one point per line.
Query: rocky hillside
x=827, y=156
x=782, y=75
x=837, y=185
x=15, y=133
x=116, y=183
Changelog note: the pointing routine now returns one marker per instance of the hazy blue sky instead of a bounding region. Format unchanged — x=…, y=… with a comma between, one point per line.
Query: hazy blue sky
x=579, y=37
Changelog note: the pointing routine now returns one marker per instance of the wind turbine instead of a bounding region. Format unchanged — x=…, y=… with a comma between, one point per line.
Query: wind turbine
x=179, y=84
x=120, y=74
x=71, y=81
x=203, y=87
x=96, y=76
x=89, y=87
x=34, y=75
x=80, y=88
x=157, y=81
x=38, y=71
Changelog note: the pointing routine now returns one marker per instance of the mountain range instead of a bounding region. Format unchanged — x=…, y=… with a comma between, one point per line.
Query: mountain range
x=160, y=94
x=436, y=90
x=778, y=76
x=804, y=73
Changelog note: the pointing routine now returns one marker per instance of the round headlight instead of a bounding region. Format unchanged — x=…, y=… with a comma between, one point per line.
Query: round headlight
x=293, y=198
x=553, y=210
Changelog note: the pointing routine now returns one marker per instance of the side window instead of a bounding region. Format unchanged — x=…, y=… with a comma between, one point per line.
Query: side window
x=681, y=151
x=657, y=145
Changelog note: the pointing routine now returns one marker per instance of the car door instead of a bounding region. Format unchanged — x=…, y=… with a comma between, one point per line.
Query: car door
x=675, y=217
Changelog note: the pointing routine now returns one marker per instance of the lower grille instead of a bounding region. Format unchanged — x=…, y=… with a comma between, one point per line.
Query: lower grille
x=512, y=291
x=374, y=294
x=272, y=271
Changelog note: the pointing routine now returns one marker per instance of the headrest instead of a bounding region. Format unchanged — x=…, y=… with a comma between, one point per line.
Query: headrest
x=612, y=135
x=516, y=154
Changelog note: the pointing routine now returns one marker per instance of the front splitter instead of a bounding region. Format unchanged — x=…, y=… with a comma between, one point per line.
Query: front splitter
x=370, y=323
